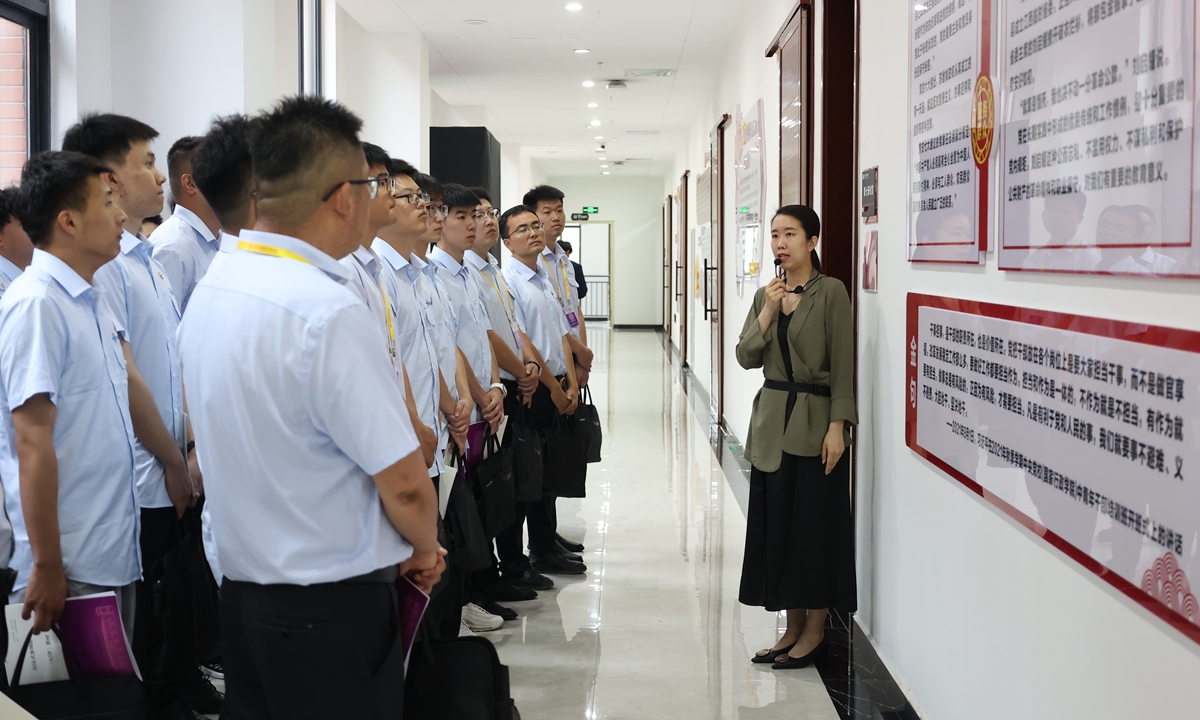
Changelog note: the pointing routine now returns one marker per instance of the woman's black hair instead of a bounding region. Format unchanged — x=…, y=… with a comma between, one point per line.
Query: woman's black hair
x=809, y=221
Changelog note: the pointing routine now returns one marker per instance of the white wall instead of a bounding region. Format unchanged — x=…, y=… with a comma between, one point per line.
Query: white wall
x=633, y=205
x=977, y=616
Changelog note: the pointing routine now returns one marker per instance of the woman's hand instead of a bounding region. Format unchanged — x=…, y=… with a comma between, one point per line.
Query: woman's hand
x=833, y=447
x=774, y=296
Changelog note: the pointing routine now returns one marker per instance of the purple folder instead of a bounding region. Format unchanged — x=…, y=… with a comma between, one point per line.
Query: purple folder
x=91, y=627
x=476, y=435
x=412, y=603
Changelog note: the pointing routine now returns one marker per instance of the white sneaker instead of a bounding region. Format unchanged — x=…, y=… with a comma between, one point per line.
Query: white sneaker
x=480, y=620
x=464, y=631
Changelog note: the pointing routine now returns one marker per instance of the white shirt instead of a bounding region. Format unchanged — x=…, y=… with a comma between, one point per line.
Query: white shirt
x=8, y=272
x=185, y=247
x=561, y=275
x=503, y=314
x=439, y=318
x=545, y=323
x=137, y=293
x=471, y=331
x=418, y=352
x=364, y=266
x=294, y=408
x=57, y=337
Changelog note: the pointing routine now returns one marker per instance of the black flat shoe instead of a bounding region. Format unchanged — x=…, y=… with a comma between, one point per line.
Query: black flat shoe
x=793, y=663
x=532, y=580
x=769, y=655
x=563, y=552
x=568, y=544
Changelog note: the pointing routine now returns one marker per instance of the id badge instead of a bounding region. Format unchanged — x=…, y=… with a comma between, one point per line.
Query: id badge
x=573, y=319
x=516, y=331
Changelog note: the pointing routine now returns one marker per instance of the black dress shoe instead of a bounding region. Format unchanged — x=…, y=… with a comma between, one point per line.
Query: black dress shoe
x=558, y=565
x=793, y=663
x=565, y=553
x=769, y=655
x=532, y=580
x=505, y=591
x=568, y=544
x=500, y=610
x=202, y=697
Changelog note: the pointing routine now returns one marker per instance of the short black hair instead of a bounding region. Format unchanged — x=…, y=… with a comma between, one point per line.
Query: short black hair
x=222, y=168
x=8, y=205
x=106, y=136
x=156, y=219
x=377, y=156
x=50, y=183
x=178, y=156
x=541, y=193
x=566, y=246
x=509, y=214
x=403, y=167
x=295, y=133
x=482, y=193
x=430, y=185
x=457, y=196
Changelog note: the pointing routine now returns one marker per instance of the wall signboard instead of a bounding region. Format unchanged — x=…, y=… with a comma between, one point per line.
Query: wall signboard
x=1082, y=429
x=950, y=130
x=1099, y=142
x=751, y=180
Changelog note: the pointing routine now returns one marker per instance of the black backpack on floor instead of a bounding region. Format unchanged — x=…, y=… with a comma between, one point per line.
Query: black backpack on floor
x=457, y=679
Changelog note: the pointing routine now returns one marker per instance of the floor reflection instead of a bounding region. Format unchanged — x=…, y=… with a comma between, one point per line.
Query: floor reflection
x=654, y=630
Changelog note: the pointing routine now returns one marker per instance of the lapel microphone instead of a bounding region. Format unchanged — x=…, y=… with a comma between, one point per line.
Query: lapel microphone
x=782, y=275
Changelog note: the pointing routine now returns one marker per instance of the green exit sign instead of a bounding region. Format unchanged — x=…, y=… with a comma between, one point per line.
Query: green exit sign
x=591, y=209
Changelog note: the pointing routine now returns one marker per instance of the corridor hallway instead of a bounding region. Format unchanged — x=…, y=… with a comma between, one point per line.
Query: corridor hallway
x=654, y=629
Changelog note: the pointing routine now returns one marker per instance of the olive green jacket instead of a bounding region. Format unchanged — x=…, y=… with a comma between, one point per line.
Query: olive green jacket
x=821, y=340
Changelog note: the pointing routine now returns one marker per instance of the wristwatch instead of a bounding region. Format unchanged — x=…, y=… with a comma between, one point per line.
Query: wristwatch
x=500, y=386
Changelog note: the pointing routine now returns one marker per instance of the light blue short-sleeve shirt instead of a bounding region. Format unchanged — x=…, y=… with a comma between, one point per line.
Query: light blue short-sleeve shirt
x=8, y=272
x=58, y=338
x=545, y=323
x=440, y=319
x=294, y=408
x=561, y=275
x=185, y=247
x=503, y=315
x=471, y=330
x=138, y=294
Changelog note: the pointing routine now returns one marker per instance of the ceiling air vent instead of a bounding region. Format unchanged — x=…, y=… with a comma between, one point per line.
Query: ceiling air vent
x=649, y=72
x=616, y=85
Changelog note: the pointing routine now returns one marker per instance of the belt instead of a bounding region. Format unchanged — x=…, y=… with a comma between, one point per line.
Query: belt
x=386, y=575
x=791, y=387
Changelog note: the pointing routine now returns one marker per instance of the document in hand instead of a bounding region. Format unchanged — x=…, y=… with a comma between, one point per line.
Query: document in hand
x=91, y=626
x=446, y=481
x=412, y=602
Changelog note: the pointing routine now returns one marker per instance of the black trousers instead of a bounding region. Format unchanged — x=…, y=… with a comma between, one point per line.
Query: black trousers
x=316, y=651
x=166, y=668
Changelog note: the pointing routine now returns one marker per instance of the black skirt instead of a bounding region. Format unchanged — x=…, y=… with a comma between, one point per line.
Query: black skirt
x=800, y=537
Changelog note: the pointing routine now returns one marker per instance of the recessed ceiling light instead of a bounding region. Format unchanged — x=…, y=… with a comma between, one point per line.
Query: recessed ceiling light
x=588, y=83
x=602, y=158
x=582, y=51
x=598, y=137
x=574, y=7
x=603, y=167
x=604, y=173
x=475, y=22
x=593, y=105
x=595, y=123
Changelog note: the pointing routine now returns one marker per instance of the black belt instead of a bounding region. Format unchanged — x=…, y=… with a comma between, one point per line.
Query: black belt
x=791, y=387
x=386, y=575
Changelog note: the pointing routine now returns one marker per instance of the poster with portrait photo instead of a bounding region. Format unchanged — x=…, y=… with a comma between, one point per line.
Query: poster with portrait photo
x=870, y=270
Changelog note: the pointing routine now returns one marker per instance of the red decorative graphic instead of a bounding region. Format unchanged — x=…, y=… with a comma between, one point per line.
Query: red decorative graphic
x=1166, y=582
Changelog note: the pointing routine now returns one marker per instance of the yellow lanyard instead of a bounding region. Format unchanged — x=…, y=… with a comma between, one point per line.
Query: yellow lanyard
x=563, y=293
x=508, y=309
x=387, y=314
x=270, y=250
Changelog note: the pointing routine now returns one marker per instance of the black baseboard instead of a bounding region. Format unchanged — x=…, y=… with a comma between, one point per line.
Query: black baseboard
x=623, y=326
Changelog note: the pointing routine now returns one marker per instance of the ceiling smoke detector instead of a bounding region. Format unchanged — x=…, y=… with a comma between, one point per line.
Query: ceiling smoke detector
x=649, y=73
x=616, y=85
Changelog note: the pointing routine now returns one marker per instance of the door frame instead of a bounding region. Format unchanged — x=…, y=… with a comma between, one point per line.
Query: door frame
x=717, y=219
x=685, y=249
x=668, y=252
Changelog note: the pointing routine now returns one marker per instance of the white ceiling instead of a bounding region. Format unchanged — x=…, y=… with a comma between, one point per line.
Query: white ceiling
x=522, y=69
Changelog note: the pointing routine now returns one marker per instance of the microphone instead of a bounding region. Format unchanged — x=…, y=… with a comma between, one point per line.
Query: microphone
x=778, y=268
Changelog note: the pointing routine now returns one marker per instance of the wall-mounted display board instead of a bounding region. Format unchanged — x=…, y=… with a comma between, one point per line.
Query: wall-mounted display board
x=751, y=197
x=950, y=130
x=1098, y=138
x=1083, y=429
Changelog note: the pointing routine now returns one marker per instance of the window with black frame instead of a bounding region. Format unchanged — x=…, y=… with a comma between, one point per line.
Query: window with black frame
x=24, y=84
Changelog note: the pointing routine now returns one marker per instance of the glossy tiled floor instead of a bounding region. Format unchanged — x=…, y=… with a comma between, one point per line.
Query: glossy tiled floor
x=654, y=630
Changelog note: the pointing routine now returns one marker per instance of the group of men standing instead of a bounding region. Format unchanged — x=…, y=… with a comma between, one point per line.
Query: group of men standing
x=286, y=363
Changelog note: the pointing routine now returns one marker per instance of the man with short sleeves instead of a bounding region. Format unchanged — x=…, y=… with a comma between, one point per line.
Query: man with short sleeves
x=16, y=250
x=66, y=441
x=186, y=243
x=222, y=171
x=138, y=293
x=547, y=330
x=317, y=490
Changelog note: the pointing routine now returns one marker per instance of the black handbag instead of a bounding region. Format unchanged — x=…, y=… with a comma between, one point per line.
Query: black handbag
x=566, y=459
x=527, y=456
x=457, y=679
x=110, y=698
x=470, y=548
x=493, y=484
x=588, y=418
